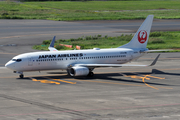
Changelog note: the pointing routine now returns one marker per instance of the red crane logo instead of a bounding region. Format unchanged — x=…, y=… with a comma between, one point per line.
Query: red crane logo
x=142, y=36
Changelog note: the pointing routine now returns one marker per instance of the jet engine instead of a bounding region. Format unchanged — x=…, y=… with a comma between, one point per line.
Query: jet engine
x=78, y=71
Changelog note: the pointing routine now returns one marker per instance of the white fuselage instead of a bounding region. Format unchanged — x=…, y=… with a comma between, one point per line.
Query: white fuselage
x=83, y=62
x=49, y=60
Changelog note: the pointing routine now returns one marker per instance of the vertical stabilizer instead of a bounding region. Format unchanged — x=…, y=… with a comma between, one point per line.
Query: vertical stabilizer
x=141, y=37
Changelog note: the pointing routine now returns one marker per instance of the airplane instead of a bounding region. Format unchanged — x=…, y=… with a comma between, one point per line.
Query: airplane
x=83, y=62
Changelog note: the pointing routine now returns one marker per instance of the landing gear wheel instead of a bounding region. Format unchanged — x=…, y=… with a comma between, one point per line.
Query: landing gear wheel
x=91, y=74
x=21, y=76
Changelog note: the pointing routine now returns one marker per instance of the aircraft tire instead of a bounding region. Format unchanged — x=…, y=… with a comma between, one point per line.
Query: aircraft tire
x=21, y=76
x=91, y=74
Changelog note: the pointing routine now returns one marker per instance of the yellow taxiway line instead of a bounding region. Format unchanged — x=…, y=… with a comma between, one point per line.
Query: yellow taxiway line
x=65, y=81
x=46, y=81
x=60, y=80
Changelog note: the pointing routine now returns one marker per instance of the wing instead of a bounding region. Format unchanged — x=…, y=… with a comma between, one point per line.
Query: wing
x=51, y=46
x=117, y=65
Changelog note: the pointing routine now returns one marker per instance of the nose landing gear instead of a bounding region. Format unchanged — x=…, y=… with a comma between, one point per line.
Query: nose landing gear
x=21, y=74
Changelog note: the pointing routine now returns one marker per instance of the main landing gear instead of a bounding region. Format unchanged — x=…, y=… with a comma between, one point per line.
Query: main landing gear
x=21, y=74
x=91, y=74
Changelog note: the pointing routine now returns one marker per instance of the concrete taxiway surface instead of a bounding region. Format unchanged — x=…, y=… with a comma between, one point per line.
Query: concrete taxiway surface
x=113, y=93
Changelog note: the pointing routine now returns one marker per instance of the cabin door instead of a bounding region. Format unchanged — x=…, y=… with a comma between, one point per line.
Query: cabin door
x=30, y=61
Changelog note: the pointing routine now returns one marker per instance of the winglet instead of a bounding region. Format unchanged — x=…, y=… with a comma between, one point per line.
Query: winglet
x=51, y=46
x=52, y=42
x=155, y=60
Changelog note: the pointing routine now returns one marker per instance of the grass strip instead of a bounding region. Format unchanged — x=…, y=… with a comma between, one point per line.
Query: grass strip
x=157, y=40
x=90, y=10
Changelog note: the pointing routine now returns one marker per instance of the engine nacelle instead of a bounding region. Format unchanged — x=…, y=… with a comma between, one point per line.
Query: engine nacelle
x=78, y=71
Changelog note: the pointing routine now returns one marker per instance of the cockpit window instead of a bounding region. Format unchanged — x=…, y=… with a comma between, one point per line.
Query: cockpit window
x=13, y=59
x=17, y=60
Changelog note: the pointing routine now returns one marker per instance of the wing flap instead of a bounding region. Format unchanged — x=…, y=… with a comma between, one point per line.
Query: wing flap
x=108, y=65
x=118, y=65
x=147, y=51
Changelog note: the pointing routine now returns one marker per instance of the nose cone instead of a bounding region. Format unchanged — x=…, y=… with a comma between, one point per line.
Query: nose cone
x=10, y=65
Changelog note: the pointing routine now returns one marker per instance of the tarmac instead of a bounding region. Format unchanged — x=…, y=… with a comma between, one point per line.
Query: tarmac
x=125, y=93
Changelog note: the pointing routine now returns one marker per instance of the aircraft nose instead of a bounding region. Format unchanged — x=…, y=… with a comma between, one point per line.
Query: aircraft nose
x=10, y=65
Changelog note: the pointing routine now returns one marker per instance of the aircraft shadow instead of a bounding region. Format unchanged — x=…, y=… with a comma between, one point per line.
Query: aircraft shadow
x=110, y=76
x=128, y=79
x=155, y=71
x=57, y=72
